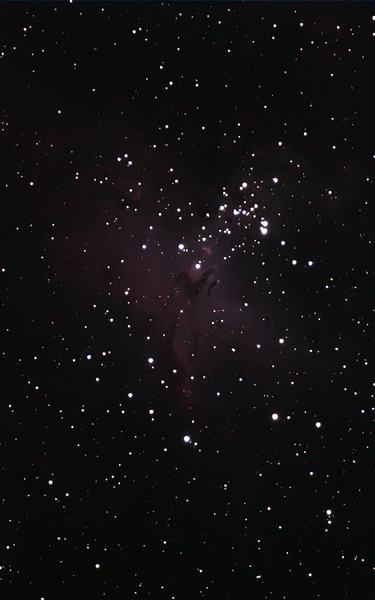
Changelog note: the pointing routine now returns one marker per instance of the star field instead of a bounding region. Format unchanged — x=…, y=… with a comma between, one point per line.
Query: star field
x=187, y=300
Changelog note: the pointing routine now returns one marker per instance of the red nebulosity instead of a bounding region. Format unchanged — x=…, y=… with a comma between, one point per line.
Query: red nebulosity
x=197, y=286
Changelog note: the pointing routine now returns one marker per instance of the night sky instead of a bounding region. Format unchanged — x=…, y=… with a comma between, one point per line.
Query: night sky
x=187, y=300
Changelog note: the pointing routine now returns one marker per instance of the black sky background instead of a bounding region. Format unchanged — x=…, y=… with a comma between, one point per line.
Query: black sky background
x=233, y=464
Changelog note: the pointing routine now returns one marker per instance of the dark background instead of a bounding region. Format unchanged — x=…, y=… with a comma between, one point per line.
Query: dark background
x=101, y=496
